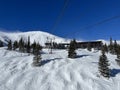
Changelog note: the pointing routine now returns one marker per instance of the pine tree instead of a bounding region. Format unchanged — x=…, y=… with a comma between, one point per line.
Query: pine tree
x=9, y=45
x=21, y=45
x=89, y=47
x=33, y=46
x=38, y=48
x=28, y=45
x=1, y=43
x=111, y=47
x=103, y=65
x=37, y=58
x=72, y=48
x=15, y=45
x=115, y=47
x=105, y=48
x=118, y=56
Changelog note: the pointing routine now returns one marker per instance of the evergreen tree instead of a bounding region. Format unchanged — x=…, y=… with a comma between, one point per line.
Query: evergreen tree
x=37, y=58
x=115, y=47
x=103, y=65
x=118, y=53
x=33, y=46
x=72, y=48
x=28, y=45
x=15, y=45
x=21, y=45
x=1, y=43
x=89, y=47
x=111, y=47
x=105, y=48
x=118, y=56
x=9, y=45
x=38, y=48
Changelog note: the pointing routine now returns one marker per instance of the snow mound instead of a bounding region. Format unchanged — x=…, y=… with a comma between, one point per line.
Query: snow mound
x=38, y=36
x=57, y=72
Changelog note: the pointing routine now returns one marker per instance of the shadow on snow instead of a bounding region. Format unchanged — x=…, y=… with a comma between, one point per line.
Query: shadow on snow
x=114, y=72
x=80, y=56
x=49, y=60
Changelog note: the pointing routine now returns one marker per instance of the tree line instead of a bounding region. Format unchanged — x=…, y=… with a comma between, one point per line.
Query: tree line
x=103, y=64
x=26, y=47
x=35, y=48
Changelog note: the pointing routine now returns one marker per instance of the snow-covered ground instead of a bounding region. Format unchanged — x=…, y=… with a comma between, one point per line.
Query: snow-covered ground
x=57, y=72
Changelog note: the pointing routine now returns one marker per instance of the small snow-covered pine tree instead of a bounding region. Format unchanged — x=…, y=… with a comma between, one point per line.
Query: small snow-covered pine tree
x=115, y=47
x=1, y=44
x=105, y=48
x=28, y=45
x=33, y=46
x=9, y=45
x=111, y=47
x=72, y=48
x=103, y=65
x=89, y=47
x=15, y=45
x=37, y=55
x=118, y=56
x=37, y=60
x=21, y=45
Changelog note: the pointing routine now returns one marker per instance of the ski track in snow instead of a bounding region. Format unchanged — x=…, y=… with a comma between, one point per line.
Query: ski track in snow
x=57, y=73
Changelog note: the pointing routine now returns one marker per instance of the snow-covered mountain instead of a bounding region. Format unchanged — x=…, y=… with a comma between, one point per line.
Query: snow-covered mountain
x=38, y=36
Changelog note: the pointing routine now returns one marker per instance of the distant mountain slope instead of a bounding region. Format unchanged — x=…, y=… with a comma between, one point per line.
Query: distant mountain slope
x=38, y=36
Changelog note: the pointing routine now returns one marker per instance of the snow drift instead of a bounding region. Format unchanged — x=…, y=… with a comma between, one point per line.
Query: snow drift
x=57, y=72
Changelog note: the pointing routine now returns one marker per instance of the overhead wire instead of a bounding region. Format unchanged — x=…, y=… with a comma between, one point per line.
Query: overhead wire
x=84, y=28
x=56, y=23
x=99, y=23
x=60, y=15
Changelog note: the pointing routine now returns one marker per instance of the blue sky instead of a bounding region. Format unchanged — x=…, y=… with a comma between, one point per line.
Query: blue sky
x=80, y=19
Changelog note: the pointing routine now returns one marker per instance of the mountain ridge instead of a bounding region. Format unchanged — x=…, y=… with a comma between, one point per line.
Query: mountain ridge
x=38, y=36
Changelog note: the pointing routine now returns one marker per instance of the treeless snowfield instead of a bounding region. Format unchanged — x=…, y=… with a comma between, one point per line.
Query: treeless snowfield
x=57, y=72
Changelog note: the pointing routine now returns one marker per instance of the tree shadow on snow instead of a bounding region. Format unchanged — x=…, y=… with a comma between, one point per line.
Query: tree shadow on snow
x=80, y=56
x=114, y=72
x=95, y=62
x=49, y=60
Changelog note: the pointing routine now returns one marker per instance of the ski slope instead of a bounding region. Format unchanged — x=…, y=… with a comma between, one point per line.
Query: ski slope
x=57, y=72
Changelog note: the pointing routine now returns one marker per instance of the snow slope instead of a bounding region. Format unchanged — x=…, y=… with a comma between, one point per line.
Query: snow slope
x=57, y=73
x=38, y=36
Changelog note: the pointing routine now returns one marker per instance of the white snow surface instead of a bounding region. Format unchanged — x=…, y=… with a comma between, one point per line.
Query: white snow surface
x=57, y=72
x=38, y=36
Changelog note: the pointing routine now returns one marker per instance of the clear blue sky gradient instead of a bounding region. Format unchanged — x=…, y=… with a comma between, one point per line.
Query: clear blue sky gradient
x=78, y=20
